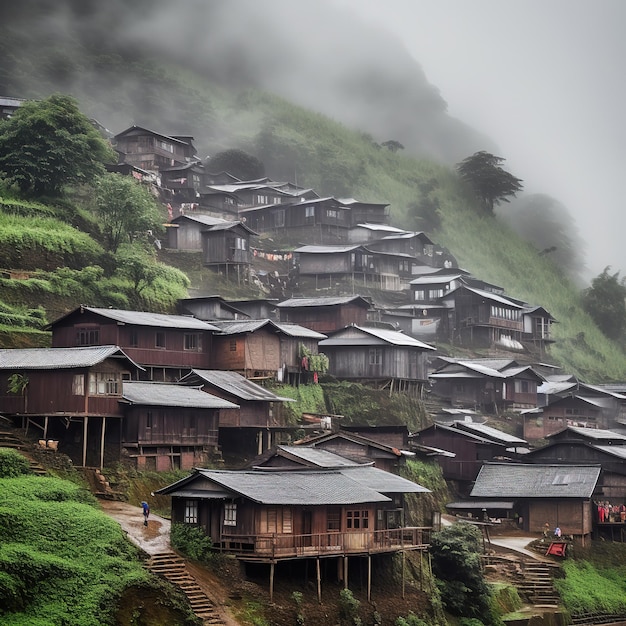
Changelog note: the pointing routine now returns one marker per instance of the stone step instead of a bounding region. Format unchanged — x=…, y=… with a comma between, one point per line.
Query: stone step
x=172, y=567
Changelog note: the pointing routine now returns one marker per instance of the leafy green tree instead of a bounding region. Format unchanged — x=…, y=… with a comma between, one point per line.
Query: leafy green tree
x=125, y=209
x=238, y=163
x=455, y=552
x=605, y=301
x=49, y=144
x=490, y=183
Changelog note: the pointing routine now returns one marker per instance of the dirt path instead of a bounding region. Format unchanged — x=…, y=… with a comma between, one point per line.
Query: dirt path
x=155, y=539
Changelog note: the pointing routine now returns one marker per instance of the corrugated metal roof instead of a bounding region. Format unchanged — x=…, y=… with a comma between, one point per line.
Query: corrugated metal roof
x=166, y=394
x=503, y=480
x=381, y=227
x=229, y=327
x=321, y=301
x=207, y=220
x=382, y=481
x=491, y=433
x=57, y=358
x=317, y=456
x=144, y=318
x=435, y=279
x=488, y=296
x=617, y=451
x=596, y=433
x=481, y=504
x=295, y=487
x=238, y=386
x=295, y=330
x=327, y=249
x=392, y=337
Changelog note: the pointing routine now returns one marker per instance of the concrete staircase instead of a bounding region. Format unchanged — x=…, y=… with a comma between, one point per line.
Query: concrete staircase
x=536, y=583
x=533, y=579
x=172, y=567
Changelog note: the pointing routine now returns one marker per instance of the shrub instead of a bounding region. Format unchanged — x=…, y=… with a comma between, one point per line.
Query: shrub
x=12, y=463
x=192, y=542
x=349, y=607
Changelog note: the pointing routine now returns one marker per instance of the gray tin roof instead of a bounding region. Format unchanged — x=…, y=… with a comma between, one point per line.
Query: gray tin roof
x=321, y=301
x=58, y=358
x=166, y=394
x=144, y=318
x=373, y=336
x=238, y=386
x=504, y=480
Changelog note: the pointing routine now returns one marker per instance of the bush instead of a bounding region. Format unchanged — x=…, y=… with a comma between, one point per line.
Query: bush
x=192, y=542
x=13, y=464
x=349, y=607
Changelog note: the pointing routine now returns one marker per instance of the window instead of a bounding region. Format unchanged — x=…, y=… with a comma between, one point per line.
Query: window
x=262, y=199
x=87, y=336
x=193, y=341
x=159, y=339
x=241, y=243
x=233, y=345
x=279, y=218
x=435, y=293
x=287, y=521
x=309, y=212
x=230, y=514
x=419, y=294
x=78, y=385
x=133, y=339
x=149, y=419
x=164, y=145
x=403, y=266
x=332, y=213
x=104, y=384
x=357, y=519
x=333, y=520
x=522, y=386
x=191, y=512
x=376, y=356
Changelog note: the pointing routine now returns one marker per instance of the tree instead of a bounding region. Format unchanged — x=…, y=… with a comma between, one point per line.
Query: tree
x=49, y=144
x=455, y=552
x=392, y=145
x=238, y=163
x=125, y=209
x=489, y=182
x=605, y=301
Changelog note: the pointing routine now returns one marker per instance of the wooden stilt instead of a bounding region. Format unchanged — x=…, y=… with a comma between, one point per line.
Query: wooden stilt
x=272, y=565
x=319, y=580
x=45, y=427
x=369, y=577
x=345, y=572
x=403, y=559
x=104, y=426
x=85, y=424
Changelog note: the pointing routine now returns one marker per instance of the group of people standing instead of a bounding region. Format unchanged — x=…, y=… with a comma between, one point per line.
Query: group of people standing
x=611, y=513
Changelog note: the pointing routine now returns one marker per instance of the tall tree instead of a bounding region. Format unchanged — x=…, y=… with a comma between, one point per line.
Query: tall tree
x=125, y=209
x=490, y=183
x=48, y=144
x=605, y=301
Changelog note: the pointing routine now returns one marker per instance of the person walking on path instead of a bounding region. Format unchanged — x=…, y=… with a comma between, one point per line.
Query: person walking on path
x=146, y=512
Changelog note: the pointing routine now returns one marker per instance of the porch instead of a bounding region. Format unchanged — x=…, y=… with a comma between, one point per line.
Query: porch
x=271, y=547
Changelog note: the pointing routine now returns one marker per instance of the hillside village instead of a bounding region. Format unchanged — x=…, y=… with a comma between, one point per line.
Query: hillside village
x=345, y=296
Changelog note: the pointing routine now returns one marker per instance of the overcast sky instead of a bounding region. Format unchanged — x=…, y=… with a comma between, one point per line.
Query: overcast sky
x=545, y=80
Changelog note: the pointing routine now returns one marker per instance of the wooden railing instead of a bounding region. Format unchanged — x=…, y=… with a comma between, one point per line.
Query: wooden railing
x=274, y=545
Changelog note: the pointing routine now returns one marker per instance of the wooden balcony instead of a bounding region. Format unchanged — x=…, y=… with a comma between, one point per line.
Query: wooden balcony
x=274, y=546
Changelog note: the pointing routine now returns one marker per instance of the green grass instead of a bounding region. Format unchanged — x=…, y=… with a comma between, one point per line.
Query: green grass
x=62, y=561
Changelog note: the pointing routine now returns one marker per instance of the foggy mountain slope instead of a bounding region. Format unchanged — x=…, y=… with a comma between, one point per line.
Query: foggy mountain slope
x=314, y=54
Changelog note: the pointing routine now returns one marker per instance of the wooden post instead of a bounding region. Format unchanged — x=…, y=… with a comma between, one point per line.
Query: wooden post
x=85, y=424
x=319, y=580
x=345, y=572
x=45, y=428
x=403, y=574
x=272, y=581
x=104, y=425
x=369, y=577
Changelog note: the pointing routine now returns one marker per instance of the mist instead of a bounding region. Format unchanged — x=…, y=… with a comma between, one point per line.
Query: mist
x=536, y=83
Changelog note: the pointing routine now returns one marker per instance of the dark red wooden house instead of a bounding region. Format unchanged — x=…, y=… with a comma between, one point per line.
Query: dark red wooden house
x=167, y=346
